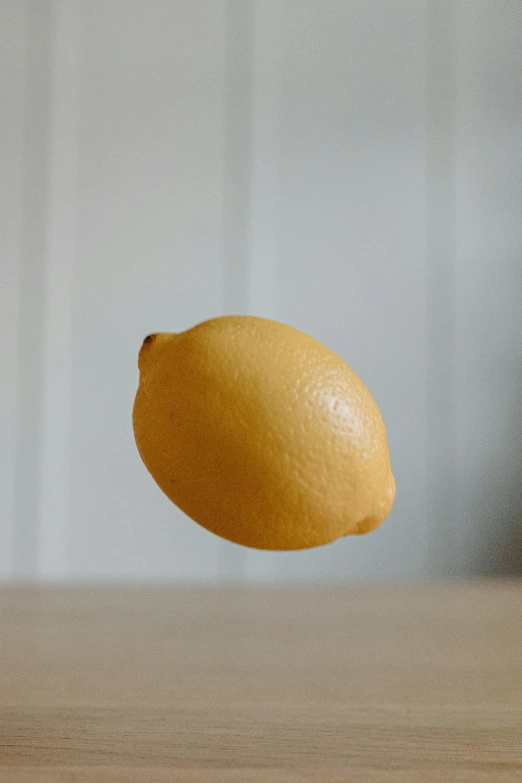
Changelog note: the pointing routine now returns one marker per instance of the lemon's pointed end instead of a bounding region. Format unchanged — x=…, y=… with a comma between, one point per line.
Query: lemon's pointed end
x=150, y=345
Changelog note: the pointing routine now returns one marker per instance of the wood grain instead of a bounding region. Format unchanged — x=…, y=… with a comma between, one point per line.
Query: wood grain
x=362, y=683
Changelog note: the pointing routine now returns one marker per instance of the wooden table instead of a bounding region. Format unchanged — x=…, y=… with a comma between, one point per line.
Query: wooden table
x=247, y=685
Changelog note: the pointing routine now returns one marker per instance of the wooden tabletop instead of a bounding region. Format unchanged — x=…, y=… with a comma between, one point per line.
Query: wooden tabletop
x=247, y=685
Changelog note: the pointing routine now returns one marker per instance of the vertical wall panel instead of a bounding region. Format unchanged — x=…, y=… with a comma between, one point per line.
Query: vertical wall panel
x=489, y=284
x=33, y=238
x=59, y=264
x=446, y=536
x=13, y=43
x=265, y=160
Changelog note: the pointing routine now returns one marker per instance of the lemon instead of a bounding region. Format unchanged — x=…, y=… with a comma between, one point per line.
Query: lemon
x=261, y=434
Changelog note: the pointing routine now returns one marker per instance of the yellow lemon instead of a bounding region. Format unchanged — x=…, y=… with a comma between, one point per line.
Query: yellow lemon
x=261, y=434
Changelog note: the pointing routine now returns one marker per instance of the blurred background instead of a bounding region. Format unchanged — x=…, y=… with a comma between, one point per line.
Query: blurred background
x=351, y=168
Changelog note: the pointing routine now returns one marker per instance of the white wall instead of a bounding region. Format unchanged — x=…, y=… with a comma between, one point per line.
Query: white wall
x=351, y=171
